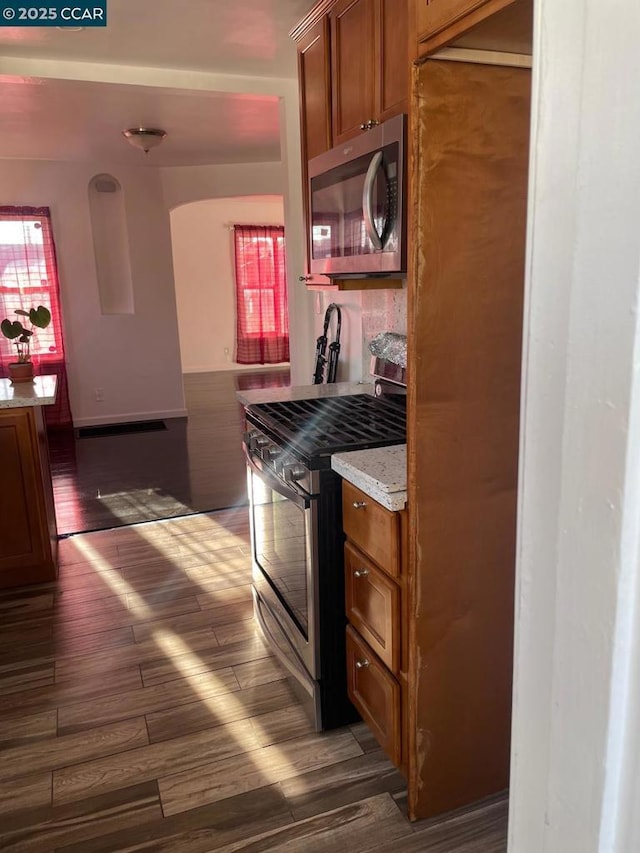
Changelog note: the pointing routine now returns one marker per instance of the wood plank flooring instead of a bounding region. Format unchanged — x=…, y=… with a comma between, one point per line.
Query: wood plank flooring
x=140, y=710
x=195, y=465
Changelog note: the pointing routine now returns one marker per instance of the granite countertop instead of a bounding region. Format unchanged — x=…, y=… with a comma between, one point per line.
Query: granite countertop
x=40, y=392
x=380, y=473
x=303, y=392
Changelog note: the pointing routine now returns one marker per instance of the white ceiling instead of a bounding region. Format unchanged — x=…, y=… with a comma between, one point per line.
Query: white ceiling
x=48, y=118
x=81, y=121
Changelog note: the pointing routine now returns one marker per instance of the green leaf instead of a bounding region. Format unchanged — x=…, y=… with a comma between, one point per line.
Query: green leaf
x=22, y=312
x=11, y=330
x=40, y=316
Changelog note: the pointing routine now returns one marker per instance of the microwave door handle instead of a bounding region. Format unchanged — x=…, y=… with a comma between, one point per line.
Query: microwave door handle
x=367, y=200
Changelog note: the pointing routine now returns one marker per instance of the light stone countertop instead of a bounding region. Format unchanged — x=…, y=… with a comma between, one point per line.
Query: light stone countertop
x=40, y=392
x=303, y=392
x=380, y=473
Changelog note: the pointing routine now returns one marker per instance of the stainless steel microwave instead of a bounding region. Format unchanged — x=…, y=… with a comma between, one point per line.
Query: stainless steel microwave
x=357, y=206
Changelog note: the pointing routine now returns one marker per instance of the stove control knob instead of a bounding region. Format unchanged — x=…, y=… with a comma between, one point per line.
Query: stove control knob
x=270, y=454
x=283, y=462
x=292, y=473
x=258, y=442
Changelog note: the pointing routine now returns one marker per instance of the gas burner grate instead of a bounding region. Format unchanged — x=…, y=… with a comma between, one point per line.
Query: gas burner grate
x=315, y=429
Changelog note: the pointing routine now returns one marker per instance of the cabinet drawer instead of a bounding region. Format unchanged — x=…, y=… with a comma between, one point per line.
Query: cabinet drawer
x=374, y=529
x=373, y=606
x=375, y=693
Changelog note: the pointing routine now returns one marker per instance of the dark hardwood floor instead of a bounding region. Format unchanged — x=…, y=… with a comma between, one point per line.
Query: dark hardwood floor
x=141, y=711
x=195, y=465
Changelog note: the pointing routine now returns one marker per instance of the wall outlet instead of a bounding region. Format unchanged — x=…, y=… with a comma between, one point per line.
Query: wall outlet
x=226, y=354
x=99, y=392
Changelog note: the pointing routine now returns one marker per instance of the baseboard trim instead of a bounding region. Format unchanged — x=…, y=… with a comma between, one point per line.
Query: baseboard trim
x=130, y=416
x=256, y=368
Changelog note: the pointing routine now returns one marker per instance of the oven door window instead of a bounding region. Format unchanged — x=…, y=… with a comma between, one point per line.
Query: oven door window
x=281, y=548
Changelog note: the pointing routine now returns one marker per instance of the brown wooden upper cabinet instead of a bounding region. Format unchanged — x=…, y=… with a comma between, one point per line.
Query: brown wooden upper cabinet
x=369, y=64
x=315, y=90
x=353, y=66
x=441, y=21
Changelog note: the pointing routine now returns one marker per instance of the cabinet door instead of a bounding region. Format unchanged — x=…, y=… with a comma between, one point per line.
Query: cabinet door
x=314, y=76
x=392, y=82
x=439, y=21
x=375, y=693
x=373, y=606
x=24, y=548
x=314, y=72
x=353, y=66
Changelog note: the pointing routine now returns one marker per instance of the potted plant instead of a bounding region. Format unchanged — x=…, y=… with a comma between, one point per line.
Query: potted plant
x=15, y=330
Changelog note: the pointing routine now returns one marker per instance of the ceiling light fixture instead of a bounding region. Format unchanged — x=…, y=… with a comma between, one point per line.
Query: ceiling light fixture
x=145, y=138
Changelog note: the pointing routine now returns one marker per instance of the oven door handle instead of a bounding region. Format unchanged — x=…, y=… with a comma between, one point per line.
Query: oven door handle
x=278, y=486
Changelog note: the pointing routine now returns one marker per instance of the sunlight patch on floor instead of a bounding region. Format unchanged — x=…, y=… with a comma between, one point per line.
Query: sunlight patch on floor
x=181, y=656
x=189, y=662
x=123, y=504
x=114, y=580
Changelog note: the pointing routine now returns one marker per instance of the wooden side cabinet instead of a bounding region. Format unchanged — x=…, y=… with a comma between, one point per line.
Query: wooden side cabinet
x=28, y=540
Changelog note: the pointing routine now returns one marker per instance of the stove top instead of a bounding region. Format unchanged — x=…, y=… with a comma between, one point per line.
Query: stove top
x=312, y=430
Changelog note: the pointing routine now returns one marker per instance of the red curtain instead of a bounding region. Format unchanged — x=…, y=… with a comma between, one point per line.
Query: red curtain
x=29, y=277
x=262, y=313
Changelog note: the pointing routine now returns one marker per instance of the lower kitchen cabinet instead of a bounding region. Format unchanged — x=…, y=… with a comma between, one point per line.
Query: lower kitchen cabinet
x=28, y=540
x=373, y=606
x=374, y=529
x=375, y=693
x=376, y=648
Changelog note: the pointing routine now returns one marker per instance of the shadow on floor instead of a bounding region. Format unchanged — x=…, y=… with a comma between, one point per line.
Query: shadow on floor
x=194, y=465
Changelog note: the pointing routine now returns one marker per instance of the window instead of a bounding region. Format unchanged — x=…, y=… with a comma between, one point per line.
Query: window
x=24, y=278
x=261, y=295
x=28, y=278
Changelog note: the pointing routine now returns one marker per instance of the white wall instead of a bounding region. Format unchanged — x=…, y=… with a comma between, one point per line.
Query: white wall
x=350, y=357
x=576, y=726
x=135, y=359
x=185, y=184
x=203, y=261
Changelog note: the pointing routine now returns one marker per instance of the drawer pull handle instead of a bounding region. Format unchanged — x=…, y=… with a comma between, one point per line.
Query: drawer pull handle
x=361, y=573
x=362, y=664
x=359, y=504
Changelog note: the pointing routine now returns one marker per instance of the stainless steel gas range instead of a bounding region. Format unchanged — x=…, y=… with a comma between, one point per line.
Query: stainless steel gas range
x=296, y=533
